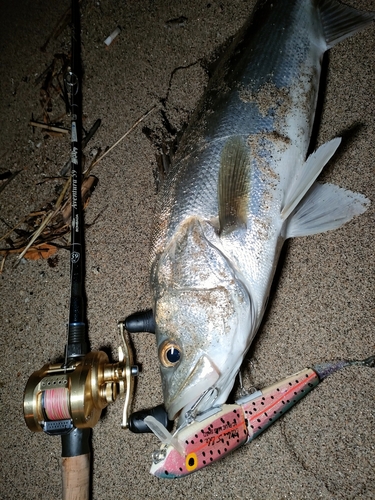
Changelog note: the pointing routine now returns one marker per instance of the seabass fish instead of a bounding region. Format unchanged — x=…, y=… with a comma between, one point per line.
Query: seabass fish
x=240, y=185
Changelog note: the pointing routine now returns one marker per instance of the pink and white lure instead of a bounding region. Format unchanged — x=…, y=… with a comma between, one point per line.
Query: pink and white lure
x=212, y=435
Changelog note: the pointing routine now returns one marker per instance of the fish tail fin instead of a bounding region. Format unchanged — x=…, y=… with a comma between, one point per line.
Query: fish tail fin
x=340, y=21
x=325, y=207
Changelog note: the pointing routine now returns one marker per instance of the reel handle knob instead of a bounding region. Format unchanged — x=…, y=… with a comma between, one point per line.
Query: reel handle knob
x=142, y=321
x=136, y=422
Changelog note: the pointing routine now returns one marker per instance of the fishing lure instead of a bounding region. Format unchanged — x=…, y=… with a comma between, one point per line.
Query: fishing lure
x=212, y=435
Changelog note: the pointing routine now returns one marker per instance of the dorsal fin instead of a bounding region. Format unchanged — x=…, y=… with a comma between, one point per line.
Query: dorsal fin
x=341, y=21
x=233, y=185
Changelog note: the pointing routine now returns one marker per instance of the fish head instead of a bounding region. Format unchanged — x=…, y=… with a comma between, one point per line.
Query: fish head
x=203, y=318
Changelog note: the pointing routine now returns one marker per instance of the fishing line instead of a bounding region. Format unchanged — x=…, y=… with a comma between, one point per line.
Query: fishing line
x=56, y=403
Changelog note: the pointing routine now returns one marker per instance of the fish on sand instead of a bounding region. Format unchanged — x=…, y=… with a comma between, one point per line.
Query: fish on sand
x=241, y=184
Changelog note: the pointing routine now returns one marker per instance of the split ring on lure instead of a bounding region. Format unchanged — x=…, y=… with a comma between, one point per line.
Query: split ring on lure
x=213, y=434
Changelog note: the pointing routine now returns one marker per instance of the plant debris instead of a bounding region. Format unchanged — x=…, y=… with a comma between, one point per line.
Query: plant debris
x=52, y=94
x=44, y=231
x=58, y=29
x=50, y=128
x=41, y=251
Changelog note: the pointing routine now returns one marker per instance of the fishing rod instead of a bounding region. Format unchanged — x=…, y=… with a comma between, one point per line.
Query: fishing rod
x=66, y=399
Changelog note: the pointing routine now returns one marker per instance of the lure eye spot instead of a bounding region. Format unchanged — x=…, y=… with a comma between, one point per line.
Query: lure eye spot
x=169, y=353
x=191, y=462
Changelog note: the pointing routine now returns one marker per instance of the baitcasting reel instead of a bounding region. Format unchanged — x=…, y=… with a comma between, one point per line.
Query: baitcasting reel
x=59, y=397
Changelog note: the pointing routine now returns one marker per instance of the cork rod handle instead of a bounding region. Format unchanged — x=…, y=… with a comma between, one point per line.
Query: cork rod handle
x=76, y=477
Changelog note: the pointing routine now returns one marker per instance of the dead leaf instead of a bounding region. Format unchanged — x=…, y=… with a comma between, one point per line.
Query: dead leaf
x=42, y=251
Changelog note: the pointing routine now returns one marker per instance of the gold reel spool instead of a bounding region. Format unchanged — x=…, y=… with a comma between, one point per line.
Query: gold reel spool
x=58, y=398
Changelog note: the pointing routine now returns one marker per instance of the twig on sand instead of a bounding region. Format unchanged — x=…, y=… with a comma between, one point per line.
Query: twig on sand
x=135, y=124
x=51, y=128
x=56, y=220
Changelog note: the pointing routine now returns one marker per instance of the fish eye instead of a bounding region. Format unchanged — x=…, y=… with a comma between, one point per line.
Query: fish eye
x=169, y=353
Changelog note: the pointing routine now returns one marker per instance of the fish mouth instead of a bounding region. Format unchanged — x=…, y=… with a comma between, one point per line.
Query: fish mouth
x=203, y=377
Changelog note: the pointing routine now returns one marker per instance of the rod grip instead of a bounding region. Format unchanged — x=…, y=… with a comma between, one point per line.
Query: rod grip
x=76, y=477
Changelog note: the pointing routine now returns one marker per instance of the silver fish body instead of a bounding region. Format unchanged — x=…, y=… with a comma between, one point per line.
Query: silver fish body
x=241, y=185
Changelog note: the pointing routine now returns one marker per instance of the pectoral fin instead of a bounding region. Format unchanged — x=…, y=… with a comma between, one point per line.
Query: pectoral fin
x=233, y=186
x=307, y=174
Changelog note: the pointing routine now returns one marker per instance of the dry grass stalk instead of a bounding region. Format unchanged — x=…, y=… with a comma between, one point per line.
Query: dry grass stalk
x=55, y=221
x=49, y=128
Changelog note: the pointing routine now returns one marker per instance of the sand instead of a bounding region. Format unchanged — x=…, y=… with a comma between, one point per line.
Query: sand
x=323, y=305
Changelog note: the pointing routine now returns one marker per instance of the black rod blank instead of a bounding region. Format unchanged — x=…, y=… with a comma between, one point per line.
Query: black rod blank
x=77, y=345
x=76, y=443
